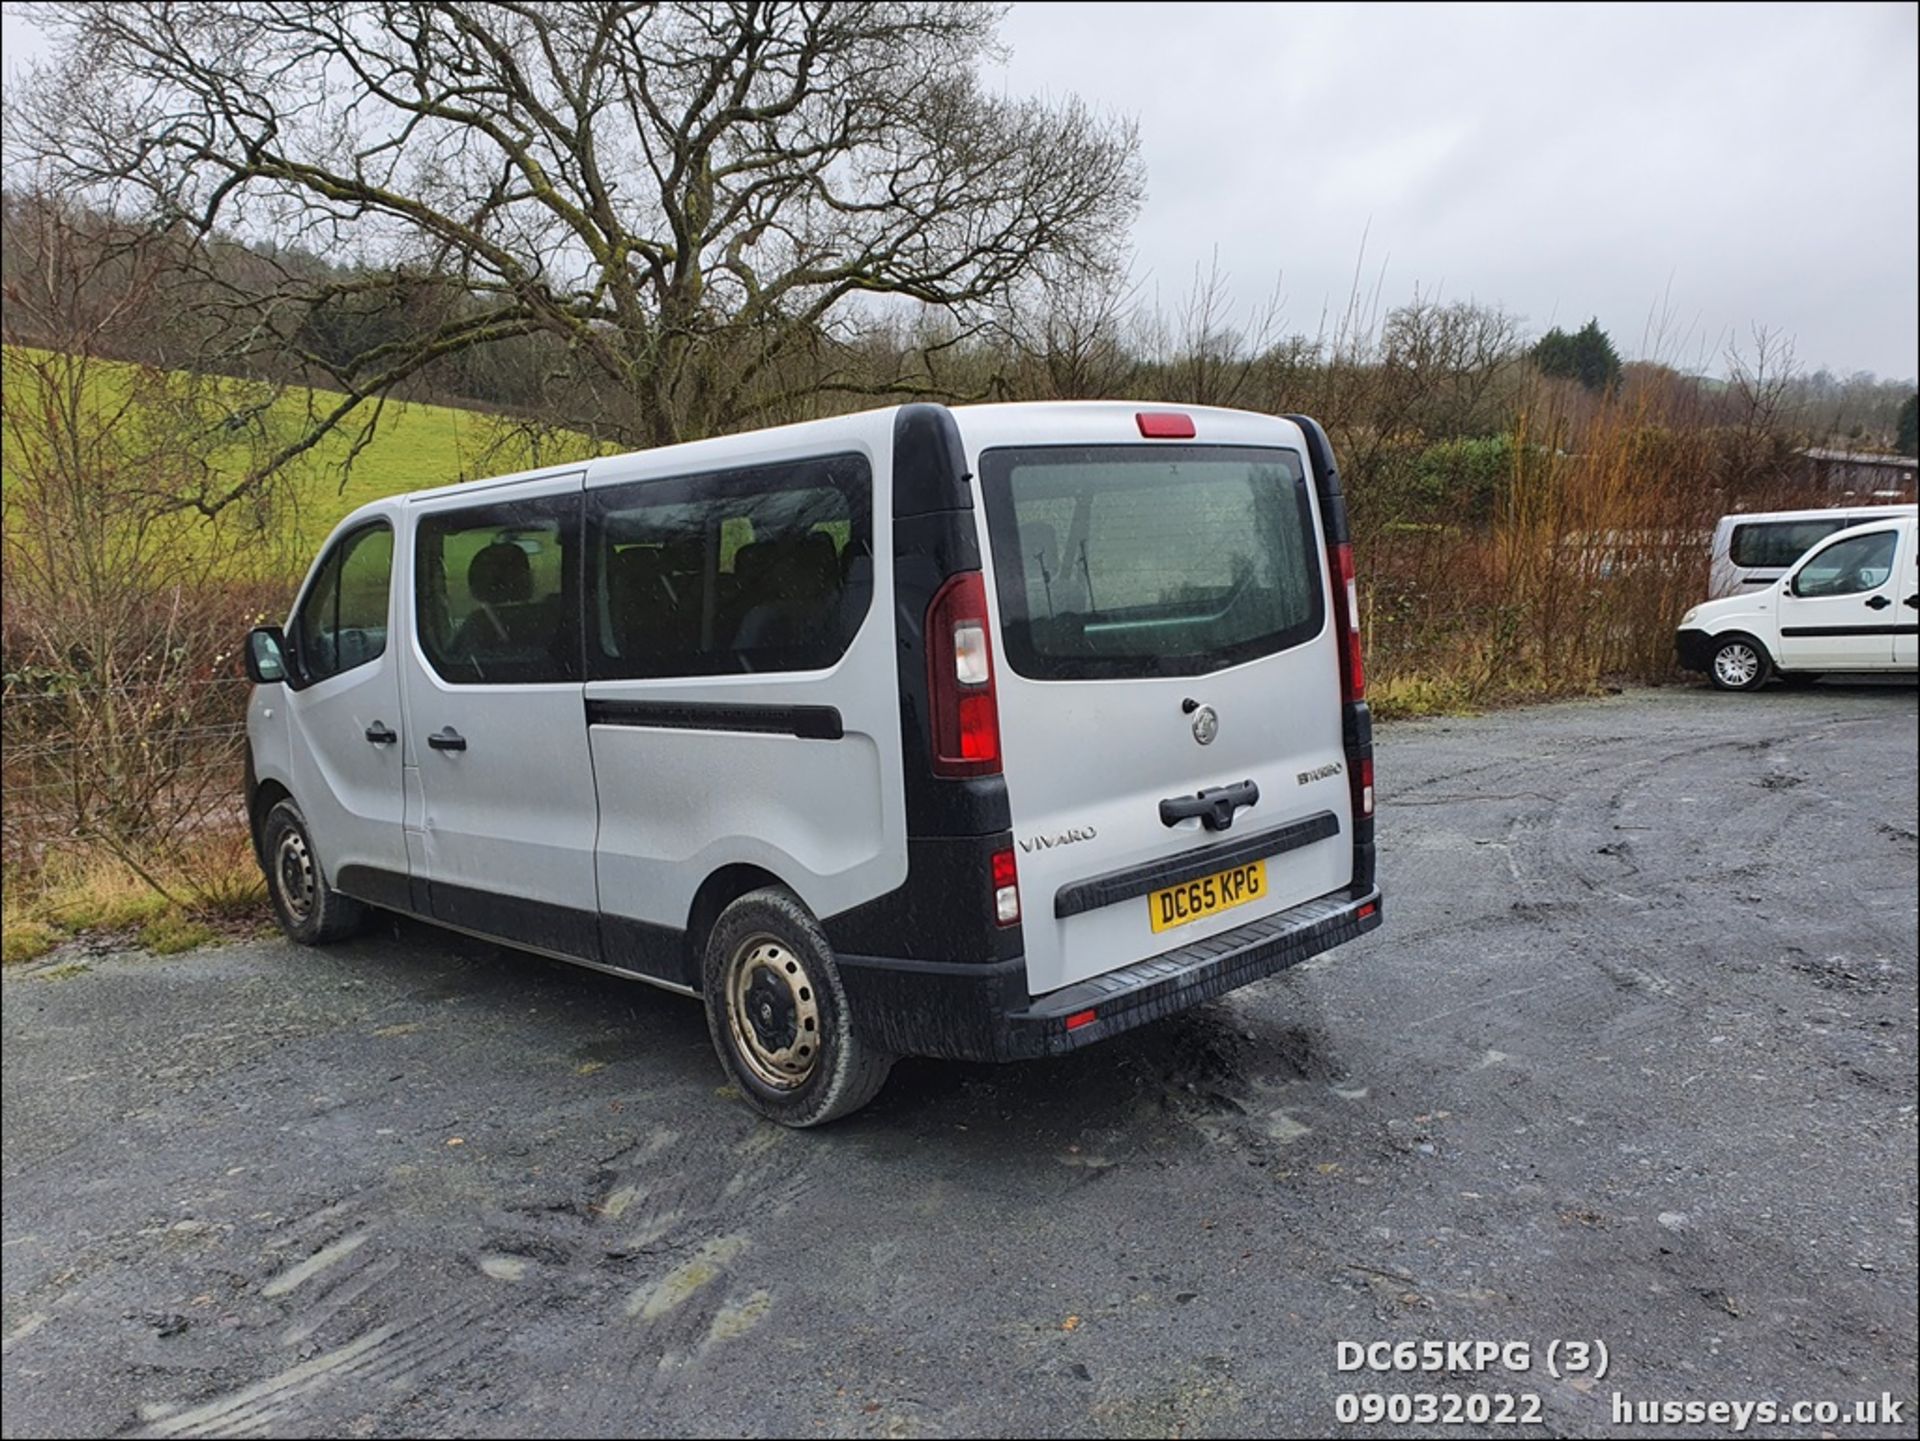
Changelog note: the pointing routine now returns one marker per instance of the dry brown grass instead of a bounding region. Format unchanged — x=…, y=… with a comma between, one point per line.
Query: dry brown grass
x=169, y=902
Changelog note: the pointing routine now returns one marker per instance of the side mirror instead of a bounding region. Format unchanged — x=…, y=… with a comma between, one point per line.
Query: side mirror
x=266, y=655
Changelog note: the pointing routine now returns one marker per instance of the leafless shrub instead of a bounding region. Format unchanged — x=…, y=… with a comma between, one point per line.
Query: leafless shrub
x=122, y=706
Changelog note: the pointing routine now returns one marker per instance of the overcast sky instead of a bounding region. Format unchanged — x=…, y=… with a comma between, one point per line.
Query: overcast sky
x=1730, y=164
x=1726, y=165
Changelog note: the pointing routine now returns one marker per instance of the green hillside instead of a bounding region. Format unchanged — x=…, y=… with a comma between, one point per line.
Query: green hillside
x=414, y=446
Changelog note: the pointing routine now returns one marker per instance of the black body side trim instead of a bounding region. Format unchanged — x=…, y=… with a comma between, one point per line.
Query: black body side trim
x=929, y=463
x=1356, y=729
x=944, y=908
x=250, y=789
x=649, y=950
x=1326, y=479
x=564, y=929
x=1356, y=726
x=943, y=912
x=1357, y=718
x=934, y=537
x=925, y=1008
x=1819, y=630
x=1124, y=885
x=390, y=890
x=657, y=952
x=809, y=722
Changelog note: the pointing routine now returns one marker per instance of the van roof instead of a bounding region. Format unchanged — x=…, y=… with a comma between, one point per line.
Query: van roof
x=1744, y=517
x=1009, y=423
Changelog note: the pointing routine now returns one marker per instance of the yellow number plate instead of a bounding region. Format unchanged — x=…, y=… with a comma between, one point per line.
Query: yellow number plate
x=1208, y=896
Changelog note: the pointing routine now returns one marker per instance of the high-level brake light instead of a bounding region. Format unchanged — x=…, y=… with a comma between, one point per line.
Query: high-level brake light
x=1164, y=425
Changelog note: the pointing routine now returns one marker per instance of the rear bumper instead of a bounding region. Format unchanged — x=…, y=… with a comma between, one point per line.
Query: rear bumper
x=1693, y=649
x=983, y=1012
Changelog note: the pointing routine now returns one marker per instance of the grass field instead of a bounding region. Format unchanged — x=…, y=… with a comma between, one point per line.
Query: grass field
x=414, y=446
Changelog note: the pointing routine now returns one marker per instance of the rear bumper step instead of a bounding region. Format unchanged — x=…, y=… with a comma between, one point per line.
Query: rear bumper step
x=983, y=1012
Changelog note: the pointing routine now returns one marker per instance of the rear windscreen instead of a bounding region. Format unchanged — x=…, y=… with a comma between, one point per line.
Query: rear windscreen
x=1130, y=560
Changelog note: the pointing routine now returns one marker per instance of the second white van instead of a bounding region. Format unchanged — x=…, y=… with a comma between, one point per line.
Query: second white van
x=977, y=733
x=1851, y=604
x=1752, y=551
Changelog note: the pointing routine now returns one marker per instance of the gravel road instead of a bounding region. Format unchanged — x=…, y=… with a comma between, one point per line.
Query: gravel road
x=1633, y=1059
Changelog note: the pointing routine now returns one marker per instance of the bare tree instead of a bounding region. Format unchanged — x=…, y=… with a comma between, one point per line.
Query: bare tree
x=1068, y=333
x=681, y=197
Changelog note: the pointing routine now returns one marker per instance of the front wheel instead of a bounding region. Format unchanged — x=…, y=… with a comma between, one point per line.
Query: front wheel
x=1740, y=663
x=778, y=1015
x=308, y=908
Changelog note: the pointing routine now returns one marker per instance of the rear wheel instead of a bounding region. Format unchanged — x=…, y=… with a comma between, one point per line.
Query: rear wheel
x=309, y=909
x=778, y=1015
x=1739, y=663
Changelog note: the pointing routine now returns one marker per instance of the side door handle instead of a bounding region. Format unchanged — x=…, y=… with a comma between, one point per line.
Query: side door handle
x=1913, y=602
x=447, y=739
x=1879, y=602
x=382, y=734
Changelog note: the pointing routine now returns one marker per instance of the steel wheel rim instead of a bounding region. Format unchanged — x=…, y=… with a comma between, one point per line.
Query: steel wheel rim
x=773, y=1013
x=1736, y=664
x=293, y=871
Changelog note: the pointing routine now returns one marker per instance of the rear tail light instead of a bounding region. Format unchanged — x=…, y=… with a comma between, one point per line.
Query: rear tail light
x=1006, y=889
x=1346, y=604
x=1081, y=1018
x=1363, y=787
x=964, y=716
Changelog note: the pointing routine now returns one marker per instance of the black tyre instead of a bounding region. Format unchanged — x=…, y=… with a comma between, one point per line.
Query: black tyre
x=1739, y=663
x=308, y=908
x=778, y=1015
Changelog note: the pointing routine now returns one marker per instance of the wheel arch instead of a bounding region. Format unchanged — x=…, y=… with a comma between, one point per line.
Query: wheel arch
x=1734, y=632
x=266, y=795
x=716, y=893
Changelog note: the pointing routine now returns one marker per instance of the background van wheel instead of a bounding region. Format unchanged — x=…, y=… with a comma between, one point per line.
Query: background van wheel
x=309, y=910
x=778, y=1015
x=1740, y=663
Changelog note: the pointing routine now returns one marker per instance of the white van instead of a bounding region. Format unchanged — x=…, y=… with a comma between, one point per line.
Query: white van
x=1849, y=605
x=1753, y=551
x=976, y=733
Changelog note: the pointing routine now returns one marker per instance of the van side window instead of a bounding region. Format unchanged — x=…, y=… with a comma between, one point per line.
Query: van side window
x=1778, y=544
x=494, y=586
x=767, y=569
x=1848, y=567
x=343, y=620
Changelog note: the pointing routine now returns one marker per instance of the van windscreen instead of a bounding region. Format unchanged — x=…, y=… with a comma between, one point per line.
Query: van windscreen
x=1131, y=560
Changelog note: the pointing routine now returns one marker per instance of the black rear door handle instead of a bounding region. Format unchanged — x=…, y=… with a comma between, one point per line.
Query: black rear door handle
x=447, y=739
x=1879, y=602
x=381, y=734
x=1913, y=601
x=1214, y=807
